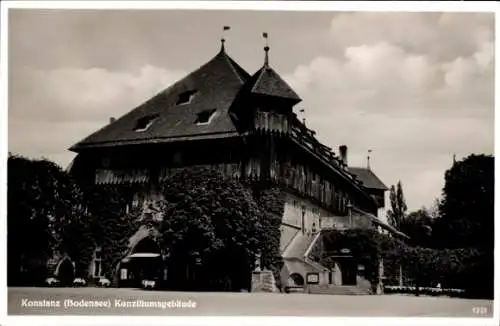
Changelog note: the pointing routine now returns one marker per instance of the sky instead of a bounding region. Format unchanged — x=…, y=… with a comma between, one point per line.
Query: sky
x=415, y=88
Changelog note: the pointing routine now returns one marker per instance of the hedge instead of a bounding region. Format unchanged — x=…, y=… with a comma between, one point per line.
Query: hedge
x=468, y=269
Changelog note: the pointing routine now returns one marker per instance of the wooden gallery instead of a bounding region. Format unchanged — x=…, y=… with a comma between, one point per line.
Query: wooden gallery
x=245, y=126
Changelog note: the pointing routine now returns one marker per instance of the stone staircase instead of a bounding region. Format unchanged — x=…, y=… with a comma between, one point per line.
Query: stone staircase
x=298, y=246
x=268, y=282
x=263, y=281
x=338, y=290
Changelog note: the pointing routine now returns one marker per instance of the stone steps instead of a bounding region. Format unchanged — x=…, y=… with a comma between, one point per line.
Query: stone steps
x=263, y=281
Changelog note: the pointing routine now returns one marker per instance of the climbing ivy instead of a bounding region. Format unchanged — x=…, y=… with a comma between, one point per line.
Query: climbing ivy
x=365, y=246
x=215, y=218
x=272, y=202
x=105, y=225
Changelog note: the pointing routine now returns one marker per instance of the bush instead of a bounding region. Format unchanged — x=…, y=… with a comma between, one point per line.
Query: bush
x=467, y=269
x=424, y=291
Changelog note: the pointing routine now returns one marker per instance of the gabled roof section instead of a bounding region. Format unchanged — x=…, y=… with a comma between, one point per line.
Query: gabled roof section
x=369, y=179
x=213, y=86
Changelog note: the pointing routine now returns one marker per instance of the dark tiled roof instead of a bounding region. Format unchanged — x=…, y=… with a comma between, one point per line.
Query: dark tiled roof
x=267, y=82
x=369, y=179
x=216, y=83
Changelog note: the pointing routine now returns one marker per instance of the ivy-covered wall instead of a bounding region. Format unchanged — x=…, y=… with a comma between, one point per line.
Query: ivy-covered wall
x=216, y=216
x=364, y=246
x=272, y=202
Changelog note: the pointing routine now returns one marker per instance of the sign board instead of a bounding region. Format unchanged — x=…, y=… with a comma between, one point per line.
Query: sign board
x=345, y=250
x=312, y=278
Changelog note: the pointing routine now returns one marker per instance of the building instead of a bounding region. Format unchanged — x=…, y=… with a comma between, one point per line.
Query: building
x=245, y=126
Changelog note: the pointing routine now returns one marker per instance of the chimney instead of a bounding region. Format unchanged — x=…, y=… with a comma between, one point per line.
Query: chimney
x=343, y=154
x=111, y=120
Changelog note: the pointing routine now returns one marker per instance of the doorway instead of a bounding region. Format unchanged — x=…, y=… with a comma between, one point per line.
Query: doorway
x=144, y=263
x=66, y=272
x=349, y=271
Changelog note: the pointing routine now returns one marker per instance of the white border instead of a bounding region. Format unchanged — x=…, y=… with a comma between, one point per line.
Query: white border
x=455, y=6
x=244, y=321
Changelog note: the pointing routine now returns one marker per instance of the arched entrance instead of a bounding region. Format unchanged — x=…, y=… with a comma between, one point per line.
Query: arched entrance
x=65, y=272
x=295, y=279
x=144, y=262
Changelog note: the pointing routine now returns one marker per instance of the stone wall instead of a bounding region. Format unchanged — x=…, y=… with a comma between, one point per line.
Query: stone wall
x=294, y=206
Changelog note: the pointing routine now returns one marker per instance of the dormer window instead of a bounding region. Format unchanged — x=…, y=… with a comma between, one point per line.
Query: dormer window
x=186, y=97
x=145, y=122
x=204, y=117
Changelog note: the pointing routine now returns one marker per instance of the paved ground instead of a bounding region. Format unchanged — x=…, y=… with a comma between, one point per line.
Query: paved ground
x=246, y=304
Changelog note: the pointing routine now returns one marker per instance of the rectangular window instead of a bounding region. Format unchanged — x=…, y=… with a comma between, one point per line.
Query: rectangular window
x=186, y=97
x=204, y=117
x=145, y=122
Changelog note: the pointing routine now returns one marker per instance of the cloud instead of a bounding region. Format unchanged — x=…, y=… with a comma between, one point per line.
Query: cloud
x=415, y=88
x=441, y=35
x=50, y=110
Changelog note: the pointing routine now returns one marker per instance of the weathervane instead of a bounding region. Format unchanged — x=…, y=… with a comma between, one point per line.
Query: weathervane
x=368, y=159
x=303, y=118
x=223, y=39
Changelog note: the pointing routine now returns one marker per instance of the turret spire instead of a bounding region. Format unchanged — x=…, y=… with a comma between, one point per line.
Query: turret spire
x=222, y=48
x=368, y=159
x=266, y=49
x=223, y=39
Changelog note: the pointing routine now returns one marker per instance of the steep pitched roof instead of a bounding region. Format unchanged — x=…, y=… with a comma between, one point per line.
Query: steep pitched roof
x=369, y=179
x=268, y=82
x=213, y=86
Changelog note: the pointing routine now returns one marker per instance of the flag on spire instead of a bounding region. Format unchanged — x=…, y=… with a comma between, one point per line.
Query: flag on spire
x=223, y=40
x=264, y=35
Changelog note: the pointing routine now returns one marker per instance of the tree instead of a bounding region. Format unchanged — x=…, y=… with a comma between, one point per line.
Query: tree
x=433, y=210
x=42, y=200
x=418, y=226
x=467, y=206
x=104, y=225
x=467, y=219
x=214, y=219
x=397, y=213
